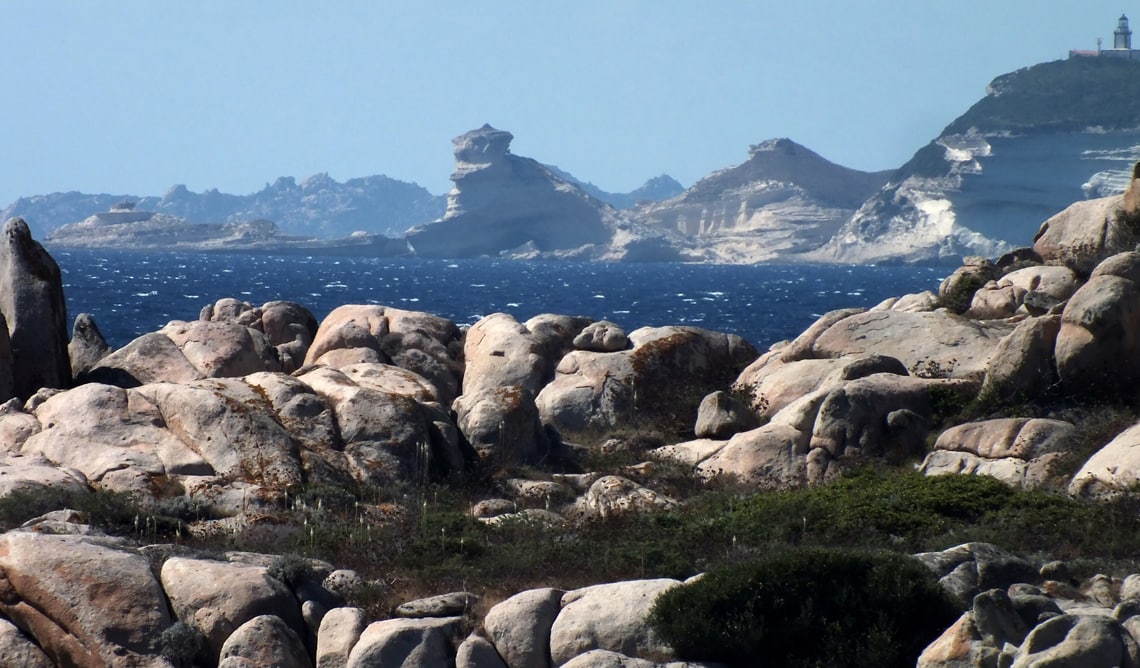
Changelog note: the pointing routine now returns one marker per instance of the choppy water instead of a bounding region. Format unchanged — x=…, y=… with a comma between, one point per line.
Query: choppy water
x=132, y=293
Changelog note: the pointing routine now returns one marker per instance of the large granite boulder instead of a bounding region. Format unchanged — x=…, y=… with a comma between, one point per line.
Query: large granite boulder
x=411, y=643
x=1112, y=469
x=16, y=649
x=1021, y=452
x=218, y=597
x=1086, y=233
x=658, y=383
x=150, y=358
x=266, y=640
x=386, y=436
x=101, y=429
x=520, y=626
x=288, y=326
x=612, y=617
x=1022, y=366
x=222, y=349
x=426, y=344
x=933, y=344
x=1098, y=346
x=32, y=303
x=339, y=631
x=87, y=345
x=85, y=601
x=957, y=290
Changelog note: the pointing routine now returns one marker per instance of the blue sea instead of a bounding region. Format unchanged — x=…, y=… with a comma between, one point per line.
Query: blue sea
x=132, y=293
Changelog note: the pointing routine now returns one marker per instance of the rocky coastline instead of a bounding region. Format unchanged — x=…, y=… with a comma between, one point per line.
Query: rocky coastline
x=228, y=442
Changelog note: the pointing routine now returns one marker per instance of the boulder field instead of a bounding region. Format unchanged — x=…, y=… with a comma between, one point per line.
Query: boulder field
x=242, y=406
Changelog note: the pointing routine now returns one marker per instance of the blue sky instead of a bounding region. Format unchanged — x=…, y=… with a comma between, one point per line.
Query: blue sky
x=130, y=97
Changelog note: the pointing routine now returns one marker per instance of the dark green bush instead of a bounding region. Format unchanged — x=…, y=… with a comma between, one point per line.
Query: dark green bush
x=288, y=568
x=808, y=607
x=180, y=643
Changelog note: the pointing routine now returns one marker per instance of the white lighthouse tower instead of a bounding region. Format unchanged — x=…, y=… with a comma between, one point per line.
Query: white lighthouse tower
x=1122, y=35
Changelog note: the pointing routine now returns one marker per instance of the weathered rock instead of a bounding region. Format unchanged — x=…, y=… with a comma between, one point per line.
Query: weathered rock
x=232, y=427
x=85, y=601
x=217, y=597
x=1017, y=451
x=288, y=326
x=98, y=429
x=410, y=643
x=853, y=419
x=957, y=290
x=961, y=646
x=769, y=457
x=721, y=415
x=477, y=652
x=390, y=379
x=499, y=352
x=600, y=658
x=386, y=436
x=502, y=423
x=222, y=349
x=933, y=344
x=32, y=302
x=1085, y=233
x=613, y=495
x=802, y=346
x=968, y=569
x=520, y=627
x=339, y=632
x=555, y=334
x=1057, y=282
x=993, y=301
x=602, y=337
x=151, y=358
x=266, y=640
x=87, y=345
x=502, y=203
x=17, y=650
x=661, y=380
x=1112, y=469
x=419, y=342
x=1023, y=366
x=454, y=604
x=16, y=426
x=31, y=473
x=1098, y=346
x=609, y=616
x=914, y=302
x=1078, y=642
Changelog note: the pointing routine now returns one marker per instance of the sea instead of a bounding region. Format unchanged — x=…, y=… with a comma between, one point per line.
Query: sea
x=131, y=293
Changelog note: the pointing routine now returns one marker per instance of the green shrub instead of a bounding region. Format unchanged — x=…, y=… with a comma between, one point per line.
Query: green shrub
x=807, y=607
x=180, y=643
x=288, y=568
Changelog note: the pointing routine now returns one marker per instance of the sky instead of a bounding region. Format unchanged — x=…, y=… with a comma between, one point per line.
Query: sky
x=130, y=97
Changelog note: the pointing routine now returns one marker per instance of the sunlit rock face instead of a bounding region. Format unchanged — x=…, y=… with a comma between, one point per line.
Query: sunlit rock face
x=1041, y=138
x=504, y=204
x=784, y=200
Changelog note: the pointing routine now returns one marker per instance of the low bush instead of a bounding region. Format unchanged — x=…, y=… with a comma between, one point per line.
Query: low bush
x=807, y=607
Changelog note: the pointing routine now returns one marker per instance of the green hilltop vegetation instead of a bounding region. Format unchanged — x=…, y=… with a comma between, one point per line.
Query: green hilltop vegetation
x=1063, y=95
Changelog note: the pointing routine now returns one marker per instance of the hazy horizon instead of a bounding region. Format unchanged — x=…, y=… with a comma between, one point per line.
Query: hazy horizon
x=135, y=97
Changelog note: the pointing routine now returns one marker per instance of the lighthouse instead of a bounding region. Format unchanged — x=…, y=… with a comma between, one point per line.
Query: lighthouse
x=1122, y=35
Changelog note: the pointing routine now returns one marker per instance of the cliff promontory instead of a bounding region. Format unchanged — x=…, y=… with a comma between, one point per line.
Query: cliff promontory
x=504, y=204
x=784, y=200
x=1042, y=137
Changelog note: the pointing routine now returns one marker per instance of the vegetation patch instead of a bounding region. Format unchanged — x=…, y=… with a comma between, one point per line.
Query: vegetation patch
x=808, y=607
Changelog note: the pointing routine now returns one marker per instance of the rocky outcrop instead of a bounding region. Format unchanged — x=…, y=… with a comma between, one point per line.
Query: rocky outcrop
x=506, y=204
x=32, y=303
x=784, y=200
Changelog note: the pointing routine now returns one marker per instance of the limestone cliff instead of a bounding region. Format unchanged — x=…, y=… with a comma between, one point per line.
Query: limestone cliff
x=504, y=204
x=784, y=200
x=1042, y=137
